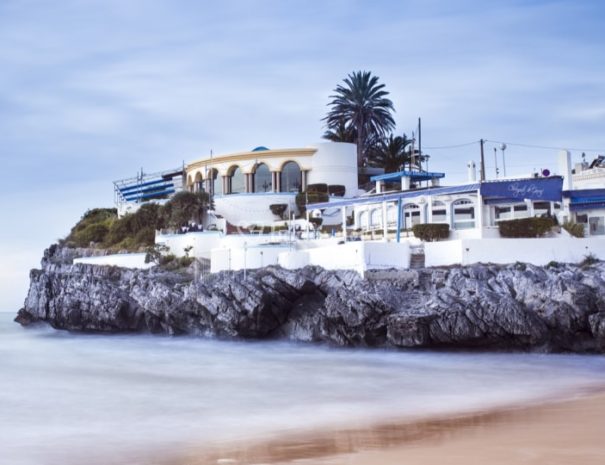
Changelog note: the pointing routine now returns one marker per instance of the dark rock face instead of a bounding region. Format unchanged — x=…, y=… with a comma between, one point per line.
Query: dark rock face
x=481, y=306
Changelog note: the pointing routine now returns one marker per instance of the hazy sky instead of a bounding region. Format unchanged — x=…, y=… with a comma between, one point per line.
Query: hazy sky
x=91, y=91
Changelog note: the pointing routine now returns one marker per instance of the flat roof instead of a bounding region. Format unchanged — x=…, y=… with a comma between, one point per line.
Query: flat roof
x=414, y=175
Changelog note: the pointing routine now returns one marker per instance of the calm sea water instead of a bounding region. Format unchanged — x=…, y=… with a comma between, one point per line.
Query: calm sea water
x=73, y=399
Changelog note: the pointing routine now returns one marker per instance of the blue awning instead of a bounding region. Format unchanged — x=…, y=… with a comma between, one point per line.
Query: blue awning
x=585, y=199
x=414, y=175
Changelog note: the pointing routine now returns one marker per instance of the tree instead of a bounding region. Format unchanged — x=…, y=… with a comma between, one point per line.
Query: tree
x=341, y=133
x=184, y=207
x=360, y=106
x=391, y=153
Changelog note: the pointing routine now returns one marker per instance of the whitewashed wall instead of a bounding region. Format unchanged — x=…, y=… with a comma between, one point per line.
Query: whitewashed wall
x=335, y=163
x=225, y=259
x=536, y=251
x=247, y=209
x=358, y=256
x=123, y=260
x=202, y=243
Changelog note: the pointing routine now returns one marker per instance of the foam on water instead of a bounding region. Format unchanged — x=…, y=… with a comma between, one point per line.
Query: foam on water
x=64, y=395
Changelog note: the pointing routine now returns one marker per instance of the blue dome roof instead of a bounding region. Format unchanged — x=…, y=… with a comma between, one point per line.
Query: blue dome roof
x=260, y=148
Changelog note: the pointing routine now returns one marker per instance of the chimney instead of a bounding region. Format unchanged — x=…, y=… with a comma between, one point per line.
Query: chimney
x=472, y=172
x=565, y=169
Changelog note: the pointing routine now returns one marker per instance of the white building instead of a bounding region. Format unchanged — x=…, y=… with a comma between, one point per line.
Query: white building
x=244, y=185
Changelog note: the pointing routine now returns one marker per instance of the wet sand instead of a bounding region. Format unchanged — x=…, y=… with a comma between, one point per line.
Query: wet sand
x=554, y=433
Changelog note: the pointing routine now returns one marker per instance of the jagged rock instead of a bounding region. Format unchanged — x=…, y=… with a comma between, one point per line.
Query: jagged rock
x=516, y=306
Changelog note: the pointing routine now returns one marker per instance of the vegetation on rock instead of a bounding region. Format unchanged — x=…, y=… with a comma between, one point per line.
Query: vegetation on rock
x=101, y=227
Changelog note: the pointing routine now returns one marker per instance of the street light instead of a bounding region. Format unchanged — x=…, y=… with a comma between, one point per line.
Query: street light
x=503, y=148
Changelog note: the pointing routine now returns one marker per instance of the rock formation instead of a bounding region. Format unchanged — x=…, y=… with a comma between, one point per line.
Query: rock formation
x=556, y=308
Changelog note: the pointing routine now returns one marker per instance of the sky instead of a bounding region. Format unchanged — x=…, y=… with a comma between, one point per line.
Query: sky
x=93, y=91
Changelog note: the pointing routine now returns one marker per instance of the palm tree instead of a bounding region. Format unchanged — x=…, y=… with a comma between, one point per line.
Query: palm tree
x=392, y=153
x=362, y=106
x=340, y=133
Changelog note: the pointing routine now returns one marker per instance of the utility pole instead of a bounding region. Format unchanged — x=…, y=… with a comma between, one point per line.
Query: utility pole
x=482, y=162
x=419, y=145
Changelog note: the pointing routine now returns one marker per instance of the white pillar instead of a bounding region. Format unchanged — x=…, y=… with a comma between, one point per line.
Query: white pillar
x=479, y=214
x=385, y=229
x=378, y=187
x=406, y=183
x=429, y=213
x=344, y=222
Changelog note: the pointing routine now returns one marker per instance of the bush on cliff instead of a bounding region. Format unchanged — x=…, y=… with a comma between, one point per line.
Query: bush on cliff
x=430, y=232
x=101, y=227
x=525, y=227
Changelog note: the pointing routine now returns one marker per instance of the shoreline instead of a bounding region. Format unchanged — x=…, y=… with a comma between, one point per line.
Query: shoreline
x=465, y=438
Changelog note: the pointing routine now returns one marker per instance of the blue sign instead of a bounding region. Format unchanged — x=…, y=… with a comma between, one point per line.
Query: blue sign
x=547, y=189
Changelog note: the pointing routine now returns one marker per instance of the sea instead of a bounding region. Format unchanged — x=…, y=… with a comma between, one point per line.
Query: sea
x=68, y=398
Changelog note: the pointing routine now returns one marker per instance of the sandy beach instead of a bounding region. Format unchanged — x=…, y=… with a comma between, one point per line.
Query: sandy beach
x=557, y=432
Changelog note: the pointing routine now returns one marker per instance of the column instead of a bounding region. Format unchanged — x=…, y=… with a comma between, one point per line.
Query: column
x=385, y=229
x=304, y=180
x=399, y=205
x=278, y=181
x=479, y=213
x=273, y=181
x=429, y=213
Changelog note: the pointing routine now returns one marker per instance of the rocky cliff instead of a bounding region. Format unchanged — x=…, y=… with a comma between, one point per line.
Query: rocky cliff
x=557, y=308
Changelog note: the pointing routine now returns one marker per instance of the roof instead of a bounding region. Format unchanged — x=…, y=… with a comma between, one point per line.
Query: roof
x=414, y=175
x=496, y=191
x=393, y=196
x=584, y=199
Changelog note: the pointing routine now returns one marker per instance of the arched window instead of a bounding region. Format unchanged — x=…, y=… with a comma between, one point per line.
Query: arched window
x=237, y=183
x=392, y=215
x=212, y=181
x=291, y=177
x=376, y=218
x=262, y=181
x=198, y=185
x=464, y=214
x=439, y=212
x=363, y=220
x=411, y=215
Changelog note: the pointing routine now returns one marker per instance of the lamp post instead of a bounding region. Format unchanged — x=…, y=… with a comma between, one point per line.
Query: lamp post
x=496, y=161
x=503, y=148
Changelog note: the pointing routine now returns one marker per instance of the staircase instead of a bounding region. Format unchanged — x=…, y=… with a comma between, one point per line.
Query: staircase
x=417, y=257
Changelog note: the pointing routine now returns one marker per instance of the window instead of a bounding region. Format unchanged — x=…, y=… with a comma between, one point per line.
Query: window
x=439, y=212
x=376, y=218
x=363, y=220
x=261, y=180
x=291, y=177
x=237, y=184
x=211, y=181
x=411, y=215
x=464, y=214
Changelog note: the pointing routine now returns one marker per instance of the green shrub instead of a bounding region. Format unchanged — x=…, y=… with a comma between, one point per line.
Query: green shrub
x=95, y=232
x=311, y=197
x=525, y=227
x=575, y=229
x=278, y=209
x=320, y=188
x=430, y=232
x=337, y=190
x=589, y=260
x=145, y=236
